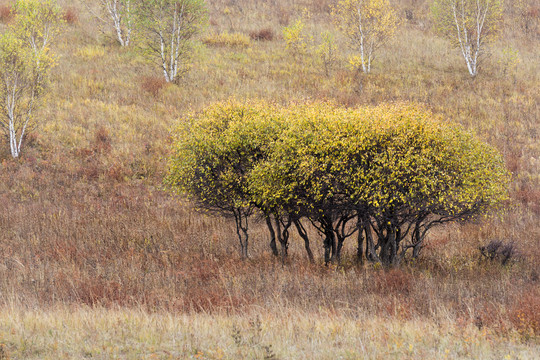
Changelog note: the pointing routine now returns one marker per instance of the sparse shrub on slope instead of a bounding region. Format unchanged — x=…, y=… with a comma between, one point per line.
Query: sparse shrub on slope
x=265, y=34
x=71, y=16
x=6, y=13
x=227, y=39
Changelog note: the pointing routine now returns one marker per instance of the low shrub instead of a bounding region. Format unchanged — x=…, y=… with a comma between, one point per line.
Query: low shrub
x=498, y=251
x=393, y=281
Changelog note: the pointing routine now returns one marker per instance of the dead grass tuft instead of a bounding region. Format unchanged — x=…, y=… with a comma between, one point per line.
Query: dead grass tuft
x=235, y=40
x=102, y=140
x=394, y=281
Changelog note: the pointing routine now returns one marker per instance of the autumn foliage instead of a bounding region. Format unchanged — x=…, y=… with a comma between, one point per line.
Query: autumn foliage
x=387, y=174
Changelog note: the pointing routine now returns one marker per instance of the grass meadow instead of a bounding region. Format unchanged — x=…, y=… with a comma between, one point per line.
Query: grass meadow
x=98, y=261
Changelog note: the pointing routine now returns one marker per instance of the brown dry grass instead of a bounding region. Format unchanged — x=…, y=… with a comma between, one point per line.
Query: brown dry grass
x=85, y=221
x=6, y=13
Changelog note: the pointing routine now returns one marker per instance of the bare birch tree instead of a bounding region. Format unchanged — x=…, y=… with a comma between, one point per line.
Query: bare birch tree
x=119, y=14
x=25, y=63
x=470, y=25
x=168, y=29
x=368, y=24
x=37, y=22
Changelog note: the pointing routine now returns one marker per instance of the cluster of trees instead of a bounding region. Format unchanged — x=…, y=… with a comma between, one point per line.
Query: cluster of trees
x=385, y=174
x=470, y=25
x=165, y=29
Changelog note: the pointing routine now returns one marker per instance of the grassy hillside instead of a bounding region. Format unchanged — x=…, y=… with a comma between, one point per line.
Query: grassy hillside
x=86, y=228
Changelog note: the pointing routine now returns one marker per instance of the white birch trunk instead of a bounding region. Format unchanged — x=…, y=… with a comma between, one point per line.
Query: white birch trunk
x=171, y=52
x=362, y=51
x=471, y=45
x=120, y=13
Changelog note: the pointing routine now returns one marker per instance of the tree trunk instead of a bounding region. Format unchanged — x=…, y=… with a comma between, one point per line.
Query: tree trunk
x=283, y=237
x=330, y=249
x=359, y=249
x=417, y=241
x=388, y=247
x=371, y=253
x=340, y=241
x=303, y=234
x=242, y=232
x=273, y=245
x=245, y=255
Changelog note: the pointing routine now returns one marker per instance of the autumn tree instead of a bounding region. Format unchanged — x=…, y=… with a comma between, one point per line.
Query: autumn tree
x=368, y=24
x=168, y=30
x=470, y=25
x=120, y=15
x=37, y=22
x=327, y=51
x=295, y=38
x=25, y=64
x=415, y=171
x=213, y=154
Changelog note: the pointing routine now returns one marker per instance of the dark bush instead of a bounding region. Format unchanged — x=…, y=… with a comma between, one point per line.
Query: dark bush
x=498, y=251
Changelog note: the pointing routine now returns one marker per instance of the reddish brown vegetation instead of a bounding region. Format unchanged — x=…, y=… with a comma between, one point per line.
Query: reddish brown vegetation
x=71, y=16
x=394, y=281
x=152, y=85
x=525, y=313
x=6, y=13
x=265, y=34
x=80, y=234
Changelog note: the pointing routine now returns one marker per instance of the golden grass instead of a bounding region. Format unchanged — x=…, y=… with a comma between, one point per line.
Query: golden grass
x=76, y=333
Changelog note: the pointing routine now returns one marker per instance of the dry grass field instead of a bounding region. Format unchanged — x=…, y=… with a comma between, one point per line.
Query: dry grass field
x=97, y=260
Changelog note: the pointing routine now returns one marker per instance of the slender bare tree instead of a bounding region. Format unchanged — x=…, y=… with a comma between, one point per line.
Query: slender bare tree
x=168, y=28
x=119, y=14
x=368, y=24
x=470, y=25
